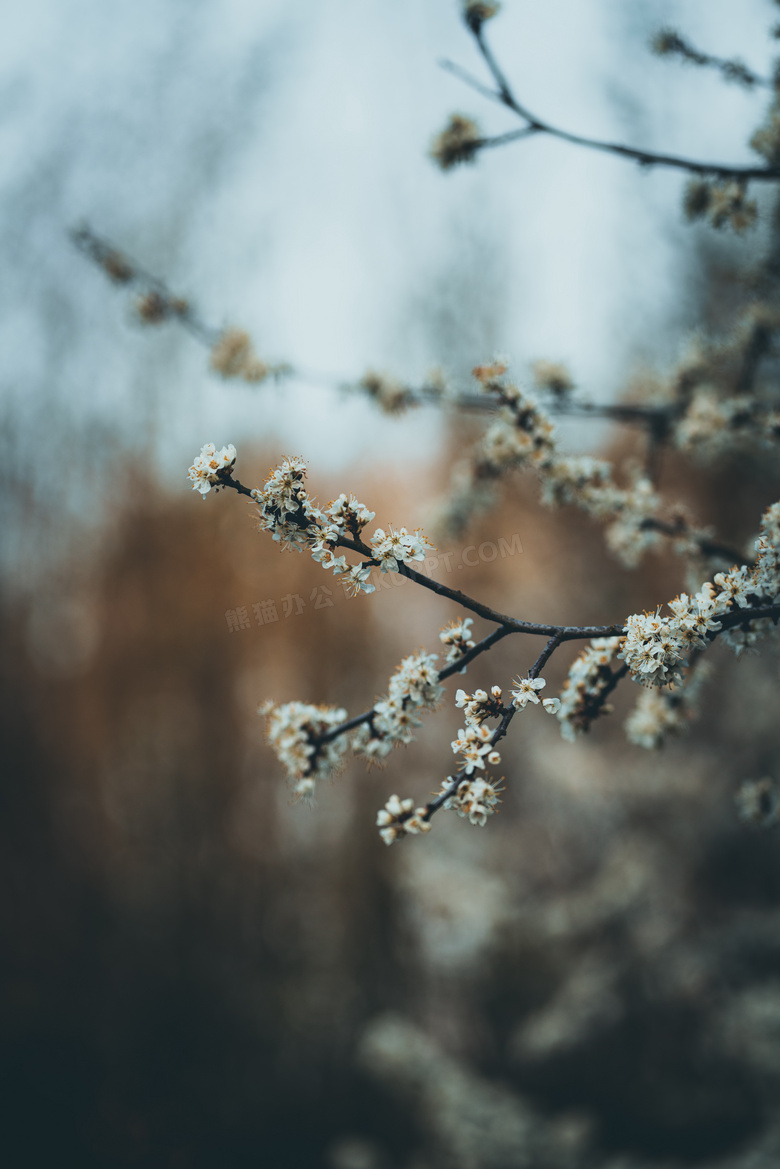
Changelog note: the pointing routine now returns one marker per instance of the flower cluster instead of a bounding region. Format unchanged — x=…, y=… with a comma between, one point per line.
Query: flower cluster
x=758, y=802
x=474, y=742
x=399, y=818
x=526, y=690
x=233, y=356
x=747, y=586
x=590, y=679
x=663, y=714
x=345, y=516
x=287, y=510
x=458, y=142
x=523, y=437
x=766, y=575
x=711, y=425
x=553, y=377
x=766, y=140
x=631, y=533
x=153, y=308
x=294, y=731
x=587, y=483
x=474, y=797
x=413, y=688
x=457, y=638
x=724, y=204
x=480, y=705
x=395, y=547
x=655, y=646
x=574, y=478
x=294, y=519
x=390, y=395
x=524, y=433
x=211, y=466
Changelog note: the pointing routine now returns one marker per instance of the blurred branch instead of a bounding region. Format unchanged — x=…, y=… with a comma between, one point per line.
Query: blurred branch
x=706, y=546
x=164, y=305
x=669, y=43
x=536, y=125
x=160, y=304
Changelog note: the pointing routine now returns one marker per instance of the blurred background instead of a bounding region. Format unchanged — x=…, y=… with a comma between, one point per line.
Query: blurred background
x=196, y=972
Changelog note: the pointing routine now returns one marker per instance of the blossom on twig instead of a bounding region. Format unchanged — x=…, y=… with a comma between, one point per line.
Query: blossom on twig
x=210, y=466
x=413, y=688
x=456, y=636
x=474, y=798
x=458, y=142
x=398, y=818
x=293, y=730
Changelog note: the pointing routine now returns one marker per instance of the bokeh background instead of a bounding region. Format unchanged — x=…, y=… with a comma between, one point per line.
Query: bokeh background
x=196, y=972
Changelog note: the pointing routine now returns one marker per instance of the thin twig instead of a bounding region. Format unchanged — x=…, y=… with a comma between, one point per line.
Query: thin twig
x=706, y=546
x=454, y=668
x=177, y=308
x=566, y=632
x=534, y=124
x=668, y=43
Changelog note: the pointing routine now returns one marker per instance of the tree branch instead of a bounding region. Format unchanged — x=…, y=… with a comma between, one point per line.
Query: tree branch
x=707, y=547
x=537, y=125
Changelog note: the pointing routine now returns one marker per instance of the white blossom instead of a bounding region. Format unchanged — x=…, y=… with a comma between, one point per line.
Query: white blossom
x=413, y=688
x=457, y=638
x=417, y=678
x=573, y=478
x=400, y=817
x=474, y=742
x=358, y=579
x=292, y=730
x=475, y=798
x=581, y=698
x=663, y=714
x=209, y=465
x=656, y=646
x=758, y=802
x=323, y=552
x=395, y=547
x=389, y=394
x=524, y=437
x=736, y=586
x=631, y=533
x=346, y=516
x=712, y=425
x=767, y=570
x=286, y=509
x=480, y=705
x=525, y=691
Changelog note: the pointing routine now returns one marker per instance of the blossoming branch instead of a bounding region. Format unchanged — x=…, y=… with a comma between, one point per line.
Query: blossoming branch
x=311, y=742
